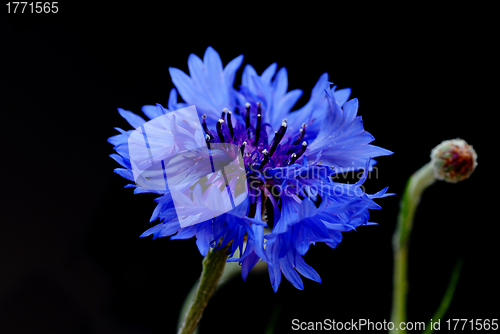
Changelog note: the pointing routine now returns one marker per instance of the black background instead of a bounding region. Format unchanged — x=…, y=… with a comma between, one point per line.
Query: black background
x=70, y=257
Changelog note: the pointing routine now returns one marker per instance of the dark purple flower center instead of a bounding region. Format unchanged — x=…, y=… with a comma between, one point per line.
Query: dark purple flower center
x=252, y=138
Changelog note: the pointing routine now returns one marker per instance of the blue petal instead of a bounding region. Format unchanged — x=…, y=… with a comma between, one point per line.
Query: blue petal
x=283, y=106
x=169, y=229
x=126, y=173
x=268, y=73
x=123, y=151
x=350, y=110
x=185, y=233
x=172, y=100
x=342, y=95
x=152, y=230
x=301, y=241
x=183, y=84
x=248, y=263
x=307, y=209
x=156, y=212
x=274, y=270
x=290, y=273
x=280, y=83
x=134, y=120
x=124, y=162
x=230, y=70
x=203, y=239
x=313, y=113
x=306, y=270
x=120, y=139
x=150, y=111
x=162, y=229
x=196, y=70
x=214, y=66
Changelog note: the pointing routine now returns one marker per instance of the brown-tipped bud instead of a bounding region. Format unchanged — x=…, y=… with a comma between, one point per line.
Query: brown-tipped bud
x=453, y=160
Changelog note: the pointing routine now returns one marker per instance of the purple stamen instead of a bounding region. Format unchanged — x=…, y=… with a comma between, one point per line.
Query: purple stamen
x=242, y=148
x=257, y=131
x=205, y=127
x=299, y=154
x=219, y=131
x=247, y=116
x=230, y=125
x=301, y=135
x=265, y=160
x=277, y=138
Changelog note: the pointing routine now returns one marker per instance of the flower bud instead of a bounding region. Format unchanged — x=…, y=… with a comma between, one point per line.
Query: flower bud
x=453, y=160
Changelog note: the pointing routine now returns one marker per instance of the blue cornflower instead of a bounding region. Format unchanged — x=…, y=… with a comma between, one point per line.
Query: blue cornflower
x=290, y=160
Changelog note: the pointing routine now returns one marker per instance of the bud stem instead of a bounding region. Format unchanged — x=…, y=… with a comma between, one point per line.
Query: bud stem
x=213, y=267
x=415, y=186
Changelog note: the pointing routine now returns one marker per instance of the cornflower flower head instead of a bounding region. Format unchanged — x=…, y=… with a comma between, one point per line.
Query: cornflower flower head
x=288, y=160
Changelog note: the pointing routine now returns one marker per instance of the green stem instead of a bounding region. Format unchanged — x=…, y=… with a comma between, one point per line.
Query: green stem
x=415, y=186
x=448, y=296
x=274, y=319
x=213, y=267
